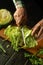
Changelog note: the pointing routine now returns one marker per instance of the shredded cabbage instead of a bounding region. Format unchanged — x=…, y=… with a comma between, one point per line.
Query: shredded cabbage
x=20, y=37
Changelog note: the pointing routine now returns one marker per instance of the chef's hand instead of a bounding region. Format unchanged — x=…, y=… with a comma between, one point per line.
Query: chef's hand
x=20, y=16
x=38, y=29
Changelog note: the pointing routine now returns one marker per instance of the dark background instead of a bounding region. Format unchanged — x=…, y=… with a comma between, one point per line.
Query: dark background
x=9, y=4
x=34, y=9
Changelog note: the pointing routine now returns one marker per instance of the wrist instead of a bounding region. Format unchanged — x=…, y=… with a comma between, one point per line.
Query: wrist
x=18, y=3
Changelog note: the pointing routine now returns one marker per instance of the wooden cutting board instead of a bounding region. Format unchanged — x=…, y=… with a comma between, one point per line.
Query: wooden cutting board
x=40, y=45
x=31, y=50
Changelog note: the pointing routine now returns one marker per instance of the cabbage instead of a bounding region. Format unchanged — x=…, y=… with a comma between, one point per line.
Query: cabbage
x=15, y=36
x=20, y=37
x=5, y=16
x=29, y=41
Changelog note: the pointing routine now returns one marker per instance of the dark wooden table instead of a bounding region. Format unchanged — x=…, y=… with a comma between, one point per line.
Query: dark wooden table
x=11, y=57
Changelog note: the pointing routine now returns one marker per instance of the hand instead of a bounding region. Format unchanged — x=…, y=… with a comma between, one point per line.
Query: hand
x=20, y=16
x=38, y=29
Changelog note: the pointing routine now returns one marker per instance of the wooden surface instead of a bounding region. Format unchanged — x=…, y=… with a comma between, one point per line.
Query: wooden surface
x=31, y=50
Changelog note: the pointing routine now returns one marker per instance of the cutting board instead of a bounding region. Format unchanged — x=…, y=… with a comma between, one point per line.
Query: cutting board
x=31, y=50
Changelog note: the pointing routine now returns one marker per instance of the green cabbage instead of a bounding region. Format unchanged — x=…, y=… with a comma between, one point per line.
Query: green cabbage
x=15, y=36
x=5, y=16
x=20, y=37
x=29, y=41
x=33, y=59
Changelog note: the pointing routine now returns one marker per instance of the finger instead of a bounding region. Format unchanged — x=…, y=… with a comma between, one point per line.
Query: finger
x=19, y=20
x=35, y=28
x=23, y=20
x=15, y=15
x=41, y=30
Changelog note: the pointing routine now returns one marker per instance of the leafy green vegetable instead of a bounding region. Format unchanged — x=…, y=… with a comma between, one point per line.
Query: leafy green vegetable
x=1, y=47
x=20, y=37
x=34, y=59
x=15, y=36
x=5, y=17
x=29, y=41
x=40, y=52
x=7, y=46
